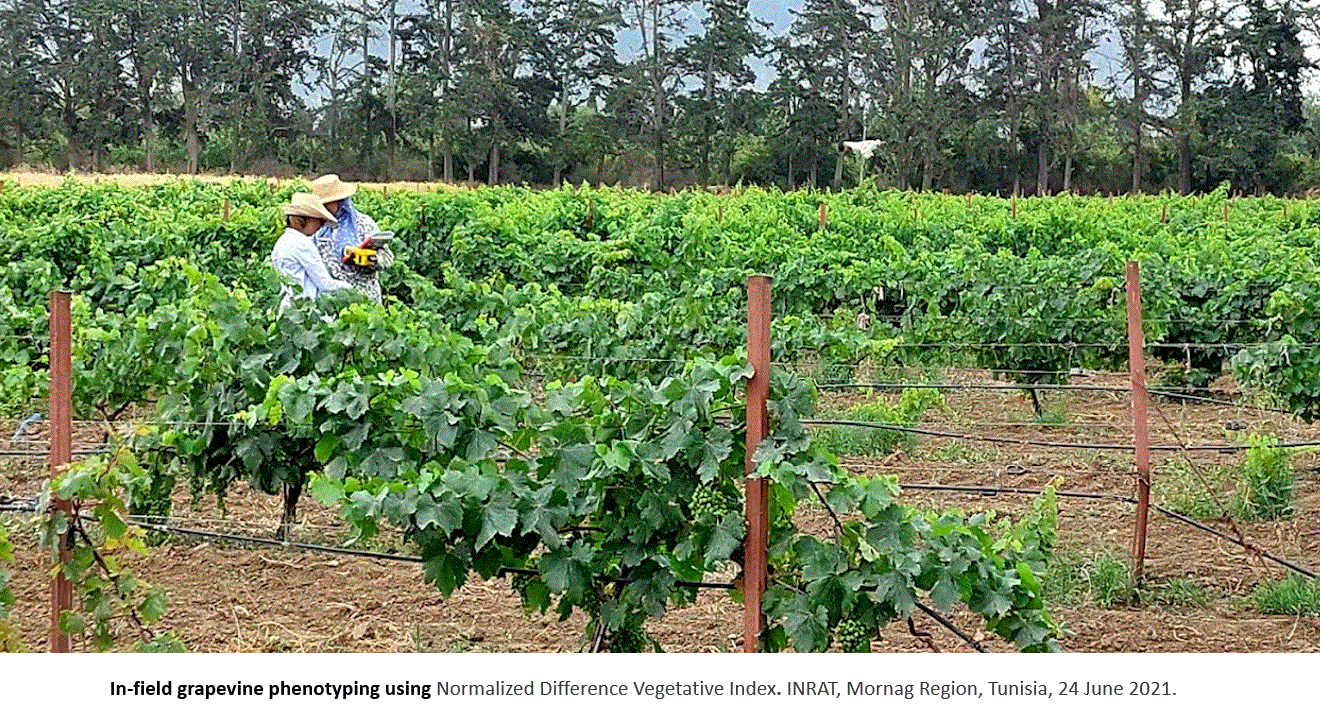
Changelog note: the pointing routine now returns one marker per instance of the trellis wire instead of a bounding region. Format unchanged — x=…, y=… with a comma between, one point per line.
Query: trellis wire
x=1067, y=345
x=1044, y=321
x=1226, y=448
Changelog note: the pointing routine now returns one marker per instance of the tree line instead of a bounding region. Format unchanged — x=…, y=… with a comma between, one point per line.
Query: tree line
x=1025, y=96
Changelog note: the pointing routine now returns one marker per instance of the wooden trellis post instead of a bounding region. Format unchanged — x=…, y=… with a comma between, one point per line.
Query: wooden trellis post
x=758, y=392
x=1140, y=402
x=60, y=407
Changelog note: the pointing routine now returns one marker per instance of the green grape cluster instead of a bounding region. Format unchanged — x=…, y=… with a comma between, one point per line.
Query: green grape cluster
x=591, y=602
x=520, y=582
x=629, y=639
x=716, y=501
x=852, y=635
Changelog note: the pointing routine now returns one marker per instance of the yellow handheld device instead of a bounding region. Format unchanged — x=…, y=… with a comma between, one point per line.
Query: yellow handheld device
x=365, y=254
x=359, y=256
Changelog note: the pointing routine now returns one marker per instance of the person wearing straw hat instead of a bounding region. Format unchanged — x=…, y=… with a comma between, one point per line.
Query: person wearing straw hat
x=353, y=229
x=295, y=254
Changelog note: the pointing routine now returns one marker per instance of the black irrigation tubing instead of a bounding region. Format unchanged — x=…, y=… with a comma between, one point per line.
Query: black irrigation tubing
x=1038, y=424
x=940, y=369
x=979, y=467
x=164, y=528
x=941, y=620
x=1116, y=345
x=958, y=344
x=31, y=507
x=1303, y=570
x=1216, y=402
x=993, y=490
x=605, y=359
x=975, y=387
x=340, y=550
x=1226, y=448
x=1023, y=388
x=45, y=454
x=1091, y=319
x=1227, y=346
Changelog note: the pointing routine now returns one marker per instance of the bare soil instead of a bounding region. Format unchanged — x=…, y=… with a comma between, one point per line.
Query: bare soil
x=226, y=597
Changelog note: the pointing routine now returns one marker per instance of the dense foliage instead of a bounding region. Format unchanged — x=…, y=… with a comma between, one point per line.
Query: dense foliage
x=590, y=280
x=551, y=389
x=109, y=598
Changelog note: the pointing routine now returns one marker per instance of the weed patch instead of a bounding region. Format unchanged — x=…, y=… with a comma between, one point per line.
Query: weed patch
x=1180, y=489
x=861, y=441
x=1104, y=578
x=1177, y=592
x=1265, y=482
x=1295, y=595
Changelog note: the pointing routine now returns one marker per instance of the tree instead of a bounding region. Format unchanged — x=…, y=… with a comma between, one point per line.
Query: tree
x=270, y=47
x=334, y=70
x=1035, y=74
x=806, y=127
x=1250, y=117
x=80, y=59
x=1058, y=37
x=23, y=98
x=656, y=71
x=1186, y=37
x=1136, y=31
x=1006, y=80
x=149, y=66
x=836, y=34
x=195, y=44
x=427, y=41
x=493, y=41
x=928, y=48
x=575, y=51
x=717, y=59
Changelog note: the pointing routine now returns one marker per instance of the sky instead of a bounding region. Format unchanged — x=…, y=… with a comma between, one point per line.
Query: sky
x=777, y=13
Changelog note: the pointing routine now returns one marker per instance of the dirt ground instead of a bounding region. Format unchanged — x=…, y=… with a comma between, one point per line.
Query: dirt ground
x=229, y=598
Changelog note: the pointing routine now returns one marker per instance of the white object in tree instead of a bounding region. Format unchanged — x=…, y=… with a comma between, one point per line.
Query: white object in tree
x=864, y=148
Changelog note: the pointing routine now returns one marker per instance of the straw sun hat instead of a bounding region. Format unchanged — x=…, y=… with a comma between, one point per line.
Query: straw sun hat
x=307, y=205
x=330, y=188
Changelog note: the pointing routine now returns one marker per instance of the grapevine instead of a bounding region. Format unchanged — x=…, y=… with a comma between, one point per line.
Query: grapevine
x=1033, y=295
x=711, y=501
x=514, y=406
x=110, y=598
x=9, y=641
x=853, y=636
x=398, y=421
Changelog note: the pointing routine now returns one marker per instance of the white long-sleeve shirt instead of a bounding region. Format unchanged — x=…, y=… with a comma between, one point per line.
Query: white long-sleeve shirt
x=296, y=257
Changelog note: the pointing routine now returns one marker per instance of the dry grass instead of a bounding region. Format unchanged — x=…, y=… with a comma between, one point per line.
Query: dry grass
x=133, y=180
